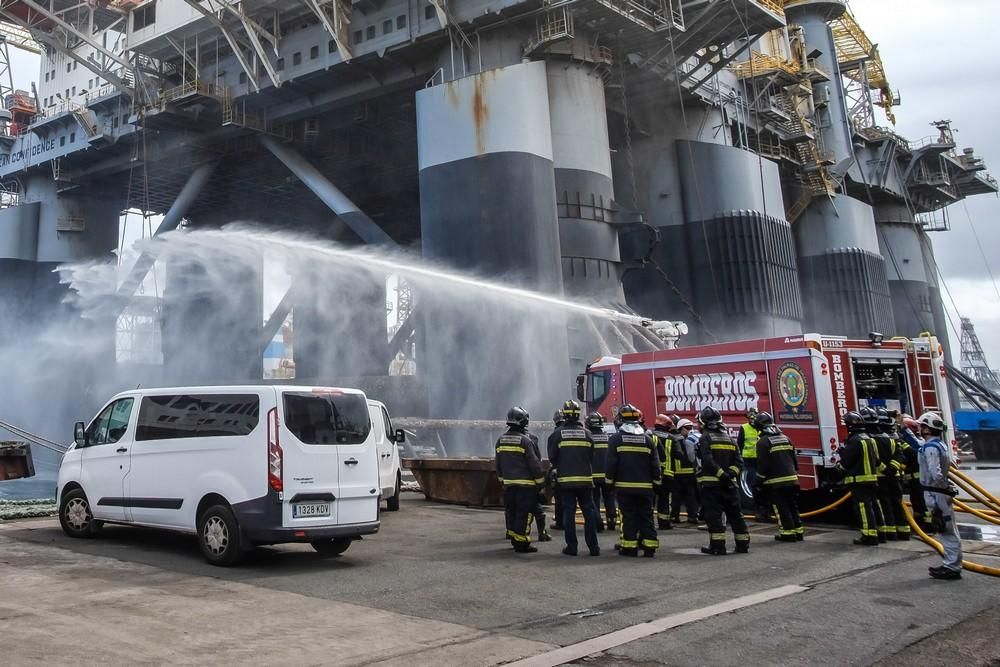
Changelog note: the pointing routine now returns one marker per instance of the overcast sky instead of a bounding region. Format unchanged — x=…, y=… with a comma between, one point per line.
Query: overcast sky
x=942, y=56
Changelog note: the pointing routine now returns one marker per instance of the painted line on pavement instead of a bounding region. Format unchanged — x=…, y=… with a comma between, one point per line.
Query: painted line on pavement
x=617, y=638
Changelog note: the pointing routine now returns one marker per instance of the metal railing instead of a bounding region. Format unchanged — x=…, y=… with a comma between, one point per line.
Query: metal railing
x=764, y=63
x=195, y=87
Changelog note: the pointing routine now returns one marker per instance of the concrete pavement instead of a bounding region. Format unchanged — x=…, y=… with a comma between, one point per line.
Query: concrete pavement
x=439, y=586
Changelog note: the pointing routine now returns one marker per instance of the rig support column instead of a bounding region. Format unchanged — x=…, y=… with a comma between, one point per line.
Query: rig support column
x=487, y=205
x=902, y=247
x=588, y=239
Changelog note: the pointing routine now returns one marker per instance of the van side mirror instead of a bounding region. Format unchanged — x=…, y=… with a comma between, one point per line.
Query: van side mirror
x=580, y=379
x=400, y=436
x=80, y=434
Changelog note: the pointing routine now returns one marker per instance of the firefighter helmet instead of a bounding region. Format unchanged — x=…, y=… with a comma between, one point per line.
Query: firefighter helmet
x=571, y=409
x=869, y=415
x=854, y=421
x=629, y=413
x=710, y=418
x=595, y=420
x=664, y=422
x=762, y=420
x=886, y=418
x=517, y=416
x=751, y=414
x=557, y=418
x=932, y=421
x=684, y=423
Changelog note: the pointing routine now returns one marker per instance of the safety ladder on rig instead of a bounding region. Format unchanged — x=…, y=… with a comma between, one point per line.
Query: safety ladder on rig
x=927, y=378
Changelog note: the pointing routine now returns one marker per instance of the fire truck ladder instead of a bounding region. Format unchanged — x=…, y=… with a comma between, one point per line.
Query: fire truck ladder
x=926, y=378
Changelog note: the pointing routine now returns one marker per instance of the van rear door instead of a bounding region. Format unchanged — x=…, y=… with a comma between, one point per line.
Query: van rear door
x=310, y=461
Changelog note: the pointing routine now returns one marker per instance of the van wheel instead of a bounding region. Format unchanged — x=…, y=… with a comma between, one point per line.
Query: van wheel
x=75, y=516
x=219, y=536
x=334, y=547
x=392, y=503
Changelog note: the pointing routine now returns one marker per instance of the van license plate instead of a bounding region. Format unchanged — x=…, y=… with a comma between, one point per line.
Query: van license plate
x=300, y=510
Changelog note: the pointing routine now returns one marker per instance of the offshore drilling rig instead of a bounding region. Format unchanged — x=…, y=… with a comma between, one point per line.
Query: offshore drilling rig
x=720, y=161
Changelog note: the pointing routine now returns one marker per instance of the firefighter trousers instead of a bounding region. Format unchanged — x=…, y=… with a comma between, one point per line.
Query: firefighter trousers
x=785, y=504
x=864, y=498
x=718, y=501
x=519, y=504
x=890, y=499
x=603, y=490
x=638, y=530
x=686, y=494
x=663, y=494
x=539, y=512
x=584, y=496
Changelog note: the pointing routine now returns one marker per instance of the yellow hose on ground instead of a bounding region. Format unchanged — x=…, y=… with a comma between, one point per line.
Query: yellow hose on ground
x=834, y=505
x=962, y=507
x=986, y=500
x=975, y=501
x=967, y=565
x=957, y=474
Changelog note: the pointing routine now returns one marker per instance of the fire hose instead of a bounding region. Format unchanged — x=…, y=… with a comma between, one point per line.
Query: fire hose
x=967, y=565
x=977, y=492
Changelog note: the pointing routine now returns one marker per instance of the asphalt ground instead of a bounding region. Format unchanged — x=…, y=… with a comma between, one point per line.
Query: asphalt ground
x=440, y=586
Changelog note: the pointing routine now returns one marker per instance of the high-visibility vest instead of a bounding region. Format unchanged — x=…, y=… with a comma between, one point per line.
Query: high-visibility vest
x=750, y=438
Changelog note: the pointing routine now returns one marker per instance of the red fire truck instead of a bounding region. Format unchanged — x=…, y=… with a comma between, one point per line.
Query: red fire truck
x=806, y=382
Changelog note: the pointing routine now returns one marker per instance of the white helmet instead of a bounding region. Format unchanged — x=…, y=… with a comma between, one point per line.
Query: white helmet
x=932, y=421
x=685, y=423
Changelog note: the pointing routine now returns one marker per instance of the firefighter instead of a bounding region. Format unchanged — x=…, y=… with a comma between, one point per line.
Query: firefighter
x=746, y=441
x=935, y=461
x=890, y=493
x=553, y=483
x=859, y=465
x=520, y=472
x=539, y=513
x=778, y=472
x=684, y=456
x=872, y=428
x=571, y=451
x=911, y=475
x=634, y=470
x=595, y=424
x=721, y=465
x=663, y=441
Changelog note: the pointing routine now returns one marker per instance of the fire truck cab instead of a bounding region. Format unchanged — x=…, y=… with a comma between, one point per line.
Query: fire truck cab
x=806, y=382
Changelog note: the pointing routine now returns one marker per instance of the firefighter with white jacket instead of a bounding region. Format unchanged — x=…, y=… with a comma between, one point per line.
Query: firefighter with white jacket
x=935, y=460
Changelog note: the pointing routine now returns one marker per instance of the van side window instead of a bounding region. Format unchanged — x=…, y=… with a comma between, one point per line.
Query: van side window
x=389, y=433
x=197, y=416
x=112, y=423
x=327, y=418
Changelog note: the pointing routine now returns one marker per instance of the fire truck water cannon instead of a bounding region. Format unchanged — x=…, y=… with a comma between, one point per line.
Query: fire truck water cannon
x=667, y=331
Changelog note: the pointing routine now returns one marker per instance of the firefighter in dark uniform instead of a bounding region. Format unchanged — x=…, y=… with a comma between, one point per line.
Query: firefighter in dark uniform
x=602, y=490
x=872, y=428
x=553, y=483
x=721, y=465
x=571, y=452
x=859, y=464
x=634, y=470
x=539, y=513
x=778, y=472
x=890, y=493
x=661, y=438
x=520, y=472
x=684, y=461
x=911, y=476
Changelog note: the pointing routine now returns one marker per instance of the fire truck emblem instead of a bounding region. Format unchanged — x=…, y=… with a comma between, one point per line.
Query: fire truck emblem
x=794, y=391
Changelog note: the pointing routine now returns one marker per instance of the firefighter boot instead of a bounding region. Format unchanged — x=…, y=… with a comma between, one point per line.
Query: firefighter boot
x=544, y=536
x=663, y=524
x=743, y=544
x=866, y=541
x=716, y=545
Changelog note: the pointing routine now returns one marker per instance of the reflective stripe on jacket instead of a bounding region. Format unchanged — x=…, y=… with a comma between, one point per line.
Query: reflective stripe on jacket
x=600, y=463
x=516, y=462
x=859, y=460
x=777, y=464
x=633, y=465
x=571, y=452
x=718, y=455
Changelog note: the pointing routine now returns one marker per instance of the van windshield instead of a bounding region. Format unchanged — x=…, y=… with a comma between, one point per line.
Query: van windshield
x=327, y=419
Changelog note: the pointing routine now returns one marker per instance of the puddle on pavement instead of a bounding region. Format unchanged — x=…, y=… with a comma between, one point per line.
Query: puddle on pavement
x=990, y=534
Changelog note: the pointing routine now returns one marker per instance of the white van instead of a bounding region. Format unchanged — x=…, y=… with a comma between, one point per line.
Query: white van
x=237, y=466
x=390, y=473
